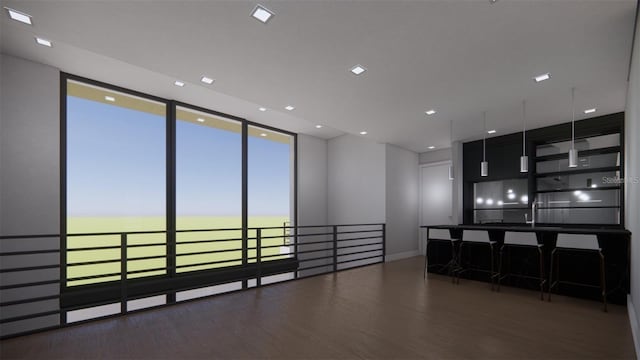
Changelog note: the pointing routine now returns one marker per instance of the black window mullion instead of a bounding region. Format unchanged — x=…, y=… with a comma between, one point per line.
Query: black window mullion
x=295, y=199
x=245, y=197
x=171, y=194
x=63, y=190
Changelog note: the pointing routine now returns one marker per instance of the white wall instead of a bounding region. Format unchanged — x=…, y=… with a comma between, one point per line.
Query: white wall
x=29, y=184
x=312, y=200
x=402, y=198
x=356, y=184
x=29, y=148
x=435, y=156
x=632, y=186
x=312, y=180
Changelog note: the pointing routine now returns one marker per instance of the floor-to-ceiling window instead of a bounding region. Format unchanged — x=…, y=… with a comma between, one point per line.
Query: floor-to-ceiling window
x=115, y=177
x=208, y=190
x=270, y=191
x=183, y=188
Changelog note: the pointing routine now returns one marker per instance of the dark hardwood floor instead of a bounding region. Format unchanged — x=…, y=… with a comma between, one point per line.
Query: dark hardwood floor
x=380, y=311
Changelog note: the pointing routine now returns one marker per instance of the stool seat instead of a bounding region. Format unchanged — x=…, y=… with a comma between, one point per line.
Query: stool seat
x=520, y=238
x=578, y=241
x=440, y=234
x=481, y=236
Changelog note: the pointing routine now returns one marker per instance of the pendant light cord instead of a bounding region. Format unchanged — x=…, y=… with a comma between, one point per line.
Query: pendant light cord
x=484, y=137
x=524, y=128
x=451, y=132
x=573, y=118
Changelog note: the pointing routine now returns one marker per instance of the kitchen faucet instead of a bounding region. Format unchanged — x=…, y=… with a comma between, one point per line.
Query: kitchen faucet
x=534, y=206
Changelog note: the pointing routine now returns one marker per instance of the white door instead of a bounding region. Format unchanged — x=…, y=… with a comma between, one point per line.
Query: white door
x=436, y=197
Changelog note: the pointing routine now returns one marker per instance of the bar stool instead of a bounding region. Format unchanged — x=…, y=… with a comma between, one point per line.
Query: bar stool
x=577, y=243
x=442, y=235
x=527, y=240
x=478, y=237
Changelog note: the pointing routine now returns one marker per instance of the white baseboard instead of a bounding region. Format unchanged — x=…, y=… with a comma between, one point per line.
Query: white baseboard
x=635, y=325
x=402, y=255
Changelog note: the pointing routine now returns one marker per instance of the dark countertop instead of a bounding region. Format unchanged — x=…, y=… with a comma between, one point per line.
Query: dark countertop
x=538, y=229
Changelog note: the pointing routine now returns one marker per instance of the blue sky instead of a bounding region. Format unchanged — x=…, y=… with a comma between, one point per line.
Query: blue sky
x=116, y=166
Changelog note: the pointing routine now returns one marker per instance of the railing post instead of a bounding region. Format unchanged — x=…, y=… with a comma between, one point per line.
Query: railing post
x=295, y=248
x=335, y=248
x=259, y=257
x=384, y=242
x=123, y=273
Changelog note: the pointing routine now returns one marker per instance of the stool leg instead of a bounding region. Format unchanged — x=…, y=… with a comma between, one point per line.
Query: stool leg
x=460, y=265
x=453, y=262
x=603, y=283
x=426, y=252
x=541, y=273
x=558, y=258
x=500, y=265
x=492, y=274
x=553, y=254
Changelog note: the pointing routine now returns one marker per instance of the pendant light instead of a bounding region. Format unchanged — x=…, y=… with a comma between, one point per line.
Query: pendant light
x=484, y=165
x=573, y=153
x=524, y=159
x=451, y=173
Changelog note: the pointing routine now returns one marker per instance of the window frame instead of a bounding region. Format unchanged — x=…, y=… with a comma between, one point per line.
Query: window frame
x=70, y=295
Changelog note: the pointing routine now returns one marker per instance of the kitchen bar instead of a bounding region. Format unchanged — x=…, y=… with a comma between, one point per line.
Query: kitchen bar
x=577, y=266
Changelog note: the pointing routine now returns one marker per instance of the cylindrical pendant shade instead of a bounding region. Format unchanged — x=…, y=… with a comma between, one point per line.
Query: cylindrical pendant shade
x=484, y=168
x=573, y=158
x=524, y=164
x=450, y=172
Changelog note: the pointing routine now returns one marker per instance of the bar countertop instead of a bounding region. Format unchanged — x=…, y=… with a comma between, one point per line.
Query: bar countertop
x=537, y=229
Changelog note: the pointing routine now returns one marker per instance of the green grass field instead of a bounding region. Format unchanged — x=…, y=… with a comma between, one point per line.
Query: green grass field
x=80, y=225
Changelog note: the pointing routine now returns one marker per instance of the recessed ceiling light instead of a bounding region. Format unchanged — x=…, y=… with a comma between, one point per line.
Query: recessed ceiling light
x=542, y=77
x=491, y=132
x=318, y=126
x=589, y=111
x=207, y=80
x=43, y=42
x=262, y=14
x=358, y=69
x=200, y=120
x=363, y=133
x=19, y=16
x=430, y=112
x=178, y=83
x=289, y=107
x=263, y=134
x=110, y=98
x=262, y=109
x=432, y=147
